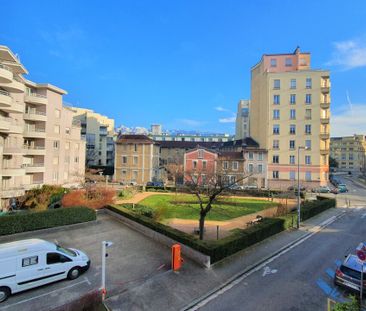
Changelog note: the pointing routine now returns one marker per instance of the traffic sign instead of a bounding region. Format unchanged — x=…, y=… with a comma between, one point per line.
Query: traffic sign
x=361, y=251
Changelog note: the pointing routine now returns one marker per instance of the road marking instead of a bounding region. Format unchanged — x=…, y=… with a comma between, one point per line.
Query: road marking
x=243, y=275
x=338, y=262
x=86, y=280
x=268, y=270
x=330, y=272
x=329, y=291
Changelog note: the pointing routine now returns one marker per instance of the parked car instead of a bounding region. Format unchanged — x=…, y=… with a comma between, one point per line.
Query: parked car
x=348, y=275
x=26, y=264
x=342, y=188
x=322, y=189
x=236, y=187
x=155, y=184
x=250, y=187
x=294, y=188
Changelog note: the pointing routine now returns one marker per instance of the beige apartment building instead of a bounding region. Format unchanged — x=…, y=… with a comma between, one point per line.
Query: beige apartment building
x=349, y=152
x=290, y=110
x=98, y=131
x=242, y=120
x=39, y=143
x=136, y=160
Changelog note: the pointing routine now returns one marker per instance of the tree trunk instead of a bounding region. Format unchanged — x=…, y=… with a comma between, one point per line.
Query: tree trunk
x=202, y=224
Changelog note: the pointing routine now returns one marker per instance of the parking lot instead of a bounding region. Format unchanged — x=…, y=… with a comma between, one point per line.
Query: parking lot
x=132, y=259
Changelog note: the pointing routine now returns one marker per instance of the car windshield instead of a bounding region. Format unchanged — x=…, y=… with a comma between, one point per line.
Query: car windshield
x=66, y=251
x=352, y=273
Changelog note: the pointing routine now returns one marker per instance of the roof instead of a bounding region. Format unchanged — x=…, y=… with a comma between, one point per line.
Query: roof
x=47, y=86
x=134, y=138
x=12, y=248
x=190, y=144
x=232, y=155
x=354, y=263
x=245, y=142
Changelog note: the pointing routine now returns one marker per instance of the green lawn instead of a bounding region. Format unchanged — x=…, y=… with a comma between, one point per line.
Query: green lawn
x=186, y=207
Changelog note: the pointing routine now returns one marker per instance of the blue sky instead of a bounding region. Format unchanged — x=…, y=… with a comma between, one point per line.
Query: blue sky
x=185, y=64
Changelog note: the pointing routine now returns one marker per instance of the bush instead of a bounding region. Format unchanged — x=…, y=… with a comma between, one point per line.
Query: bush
x=29, y=221
x=126, y=194
x=352, y=305
x=160, y=189
x=41, y=198
x=312, y=208
x=93, y=197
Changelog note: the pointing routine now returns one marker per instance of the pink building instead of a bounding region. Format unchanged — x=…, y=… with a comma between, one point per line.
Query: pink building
x=199, y=164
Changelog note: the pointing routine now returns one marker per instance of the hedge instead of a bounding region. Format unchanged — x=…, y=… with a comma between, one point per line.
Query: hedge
x=312, y=208
x=217, y=250
x=29, y=221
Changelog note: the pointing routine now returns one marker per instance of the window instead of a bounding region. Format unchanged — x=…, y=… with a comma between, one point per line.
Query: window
x=308, y=83
x=288, y=62
x=135, y=174
x=135, y=147
x=276, y=114
x=276, y=84
x=235, y=165
x=135, y=160
x=55, y=160
x=292, y=144
x=275, y=175
x=308, y=176
x=276, y=99
x=55, y=176
x=308, y=144
x=292, y=99
x=194, y=165
x=292, y=129
x=293, y=84
x=250, y=168
x=302, y=62
x=203, y=179
x=200, y=154
x=292, y=114
x=251, y=155
x=76, y=159
x=204, y=165
x=308, y=114
x=292, y=175
x=57, y=113
x=276, y=129
x=276, y=144
x=273, y=62
x=56, y=129
x=308, y=99
x=124, y=173
x=260, y=156
x=67, y=145
x=29, y=261
x=307, y=160
x=54, y=258
x=350, y=157
x=56, y=144
x=67, y=131
x=292, y=159
x=124, y=160
x=308, y=129
x=275, y=159
x=225, y=165
x=260, y=168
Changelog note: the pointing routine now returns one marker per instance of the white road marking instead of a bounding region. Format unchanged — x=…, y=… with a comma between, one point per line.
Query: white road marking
x=268, y=270
x=238, y=280
x=86, y=280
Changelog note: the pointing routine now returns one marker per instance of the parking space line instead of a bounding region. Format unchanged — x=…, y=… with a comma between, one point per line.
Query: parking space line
x=330, y=272
x=86, y=280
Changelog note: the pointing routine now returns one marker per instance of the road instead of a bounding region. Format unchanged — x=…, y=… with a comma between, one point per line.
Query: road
x=302, y=278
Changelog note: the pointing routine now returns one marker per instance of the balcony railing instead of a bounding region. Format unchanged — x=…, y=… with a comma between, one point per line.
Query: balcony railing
x=38, y=130
x=36, y=95
x=36, y=112
x=34, y=147
x=33, y=165
x=5, y=67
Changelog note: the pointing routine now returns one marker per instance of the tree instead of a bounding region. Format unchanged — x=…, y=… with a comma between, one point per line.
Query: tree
x=207, y=186
x=333, y=162
x=352, y=305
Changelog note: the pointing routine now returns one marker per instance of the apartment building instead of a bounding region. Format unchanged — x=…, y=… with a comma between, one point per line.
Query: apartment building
x=136, y=159
x=242, y=120
x=98, y=131
x=29, y=115
x=289, y=112
x=349, y=152
x=200, y=166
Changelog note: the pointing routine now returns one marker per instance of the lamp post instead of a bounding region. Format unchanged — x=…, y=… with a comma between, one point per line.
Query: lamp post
x=298, y=186
x=105, y=245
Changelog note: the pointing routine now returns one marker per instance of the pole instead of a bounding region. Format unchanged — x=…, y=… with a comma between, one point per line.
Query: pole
x=217, y=232
x=298, y=188
x=103, y=269
x=361, y=287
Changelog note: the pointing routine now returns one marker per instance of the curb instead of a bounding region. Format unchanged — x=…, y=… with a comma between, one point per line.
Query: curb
x=258, y=263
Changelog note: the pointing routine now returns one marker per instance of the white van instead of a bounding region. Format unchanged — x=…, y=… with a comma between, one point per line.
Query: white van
x=30, y=263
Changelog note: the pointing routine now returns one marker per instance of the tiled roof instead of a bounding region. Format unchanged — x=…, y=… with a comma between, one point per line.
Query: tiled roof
x=130, y=138
x=190, y=144
x=246, y=142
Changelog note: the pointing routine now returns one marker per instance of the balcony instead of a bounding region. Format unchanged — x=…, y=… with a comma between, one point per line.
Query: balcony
x=34, y=168
x=324, y=120
x=5, y=99
x=13, y=171
x=33, y=185
x=35, y=115
x=13, y=107
x=7, y=193
x=36, y=99
x=15, y=128
x=6, y=75
x=34, y=150
x=324, y=135
x=15, y=86
x=325, y=105
x=324, y=151
x=34, y=132
x=4, y=124
x=13, y=150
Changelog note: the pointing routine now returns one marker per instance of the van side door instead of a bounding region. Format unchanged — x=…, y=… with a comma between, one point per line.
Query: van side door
x=29, y=270
x=57, y=266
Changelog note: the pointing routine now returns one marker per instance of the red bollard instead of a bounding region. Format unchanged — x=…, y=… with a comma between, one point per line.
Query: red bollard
x=176, y=257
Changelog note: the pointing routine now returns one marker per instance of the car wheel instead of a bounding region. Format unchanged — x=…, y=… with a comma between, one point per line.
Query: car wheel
x=73, y=273
x=4, y=293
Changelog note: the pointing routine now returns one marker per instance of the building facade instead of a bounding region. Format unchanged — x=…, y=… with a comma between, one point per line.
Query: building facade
x=27, y=133
x=136, y=160
x=98, y=132
x=350, y=153
x=242, y=120
x=200, y=166
x=290, y=110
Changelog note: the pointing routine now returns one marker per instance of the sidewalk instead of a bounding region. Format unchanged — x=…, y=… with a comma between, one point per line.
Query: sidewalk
x=173, y=291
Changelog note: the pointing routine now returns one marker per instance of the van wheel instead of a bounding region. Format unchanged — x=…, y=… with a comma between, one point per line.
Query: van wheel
x=73, y=273
x=4, y=293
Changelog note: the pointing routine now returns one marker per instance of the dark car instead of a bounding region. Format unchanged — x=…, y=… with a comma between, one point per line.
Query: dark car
x=348, y=275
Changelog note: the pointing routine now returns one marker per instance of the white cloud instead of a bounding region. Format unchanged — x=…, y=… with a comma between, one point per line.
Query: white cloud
x=349, y=54
x=228, y=120
x=221, y=109
x=346, y=122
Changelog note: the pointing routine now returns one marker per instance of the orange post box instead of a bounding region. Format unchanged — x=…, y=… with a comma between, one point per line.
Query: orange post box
x=176, y=257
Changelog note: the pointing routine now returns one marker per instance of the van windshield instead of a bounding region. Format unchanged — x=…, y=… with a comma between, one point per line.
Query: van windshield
x=66, y=251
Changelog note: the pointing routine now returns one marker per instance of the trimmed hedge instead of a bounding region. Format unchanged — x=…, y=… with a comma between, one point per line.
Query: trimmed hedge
x=217, y=250
x=29, y=221
x=312, y=208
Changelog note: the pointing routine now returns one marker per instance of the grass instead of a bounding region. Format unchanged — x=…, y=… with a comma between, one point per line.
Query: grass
x=186, y=207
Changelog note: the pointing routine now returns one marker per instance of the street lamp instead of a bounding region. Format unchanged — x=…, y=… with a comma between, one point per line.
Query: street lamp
x=105, y=245
x=298, y=185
